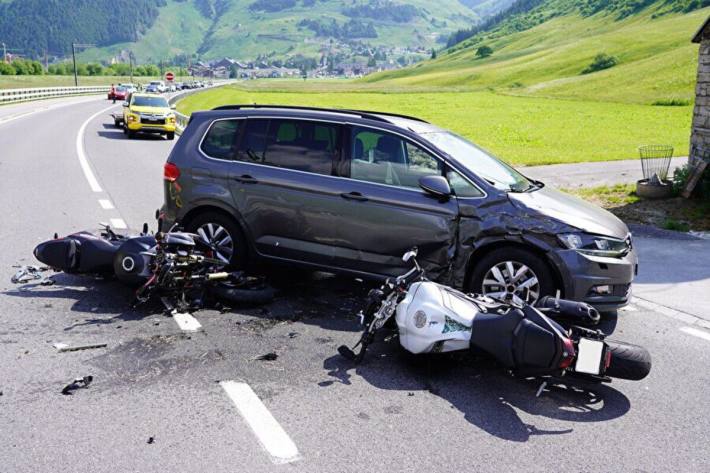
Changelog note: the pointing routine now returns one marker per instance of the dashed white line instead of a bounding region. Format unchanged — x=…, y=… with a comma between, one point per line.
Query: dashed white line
x=118, y=223
x=268, y=431
x=187, y=322
x=106, y=204
x=696, y=333
x=83, y=160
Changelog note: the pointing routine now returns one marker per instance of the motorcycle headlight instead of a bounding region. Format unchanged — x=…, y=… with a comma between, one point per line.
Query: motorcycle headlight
x=595, y=245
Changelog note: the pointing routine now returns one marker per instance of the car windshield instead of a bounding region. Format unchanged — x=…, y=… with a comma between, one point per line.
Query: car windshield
x=150, y=101
x=482, y=163
x=120, y=89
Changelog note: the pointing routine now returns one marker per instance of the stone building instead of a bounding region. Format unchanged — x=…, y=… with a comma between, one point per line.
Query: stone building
x=700, y=137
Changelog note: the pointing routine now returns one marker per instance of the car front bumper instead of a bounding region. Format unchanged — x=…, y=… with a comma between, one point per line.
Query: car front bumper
x=167, y=128
x=602, y=282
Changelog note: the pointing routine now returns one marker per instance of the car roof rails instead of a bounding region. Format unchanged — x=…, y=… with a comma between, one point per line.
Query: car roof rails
x=378, y=116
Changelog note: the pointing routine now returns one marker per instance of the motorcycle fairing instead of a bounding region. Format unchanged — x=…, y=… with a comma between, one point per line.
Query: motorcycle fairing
x=81, y=252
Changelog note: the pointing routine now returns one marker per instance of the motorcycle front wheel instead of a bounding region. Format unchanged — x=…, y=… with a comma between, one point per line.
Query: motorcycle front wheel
x=628, y=361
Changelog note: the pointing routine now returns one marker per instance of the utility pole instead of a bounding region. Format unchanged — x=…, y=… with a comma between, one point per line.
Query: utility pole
x=73, y=55
x=46, y=61
x=4, y=53
x=130, y=63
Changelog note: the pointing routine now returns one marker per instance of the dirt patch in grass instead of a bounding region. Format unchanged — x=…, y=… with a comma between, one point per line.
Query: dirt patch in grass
x=675, y=213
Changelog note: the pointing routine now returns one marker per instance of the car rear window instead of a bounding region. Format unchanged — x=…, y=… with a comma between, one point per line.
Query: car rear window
x=220, y=139
x=293, y=144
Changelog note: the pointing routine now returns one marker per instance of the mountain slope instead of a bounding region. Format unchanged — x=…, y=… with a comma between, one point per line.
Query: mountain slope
x=559, y=39
x=160, y=29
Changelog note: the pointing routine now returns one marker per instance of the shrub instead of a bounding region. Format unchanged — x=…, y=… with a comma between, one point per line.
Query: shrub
x=484, y=51
x=672, y=103
x=6, y=69
x=601, y=61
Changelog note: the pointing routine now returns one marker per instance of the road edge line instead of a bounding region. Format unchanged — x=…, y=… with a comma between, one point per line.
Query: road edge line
x=676, y=314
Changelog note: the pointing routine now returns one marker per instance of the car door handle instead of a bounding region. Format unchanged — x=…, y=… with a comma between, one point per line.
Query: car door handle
x=353, y=196
x=246, y=179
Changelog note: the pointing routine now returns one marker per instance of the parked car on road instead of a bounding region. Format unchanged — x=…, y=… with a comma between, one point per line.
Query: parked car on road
x=350, y=191
x=148, y=113
x=159, y=85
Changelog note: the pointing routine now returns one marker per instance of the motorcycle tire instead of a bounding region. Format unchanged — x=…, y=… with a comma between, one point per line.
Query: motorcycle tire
x=628, y=361
x=240, y=294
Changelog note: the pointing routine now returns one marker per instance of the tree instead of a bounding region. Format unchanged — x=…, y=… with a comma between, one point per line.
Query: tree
x=601, y=61
x=433, y=53
x=82, y=70
x=95, y=69
x=21, y=67
x=6, y=69
x=484, y=51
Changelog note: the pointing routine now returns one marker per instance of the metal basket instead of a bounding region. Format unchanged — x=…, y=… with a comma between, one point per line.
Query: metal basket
x=655, y=162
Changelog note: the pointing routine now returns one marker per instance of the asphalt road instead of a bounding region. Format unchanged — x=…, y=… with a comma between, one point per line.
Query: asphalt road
x=393, y=413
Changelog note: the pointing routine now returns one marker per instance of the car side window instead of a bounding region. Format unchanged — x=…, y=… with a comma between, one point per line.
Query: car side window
x=220, y=140
x=461, y=186
x=383, y=158
x=302, y=145
x=253, y=142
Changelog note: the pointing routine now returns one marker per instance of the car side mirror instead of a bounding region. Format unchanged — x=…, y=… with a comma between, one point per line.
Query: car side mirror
x=125, y=104
x=437, y=186
x=173, y=107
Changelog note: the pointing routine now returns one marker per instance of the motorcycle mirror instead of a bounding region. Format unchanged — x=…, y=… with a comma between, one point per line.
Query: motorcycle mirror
x=125, y=104
x=145, y=228
x=410, y=254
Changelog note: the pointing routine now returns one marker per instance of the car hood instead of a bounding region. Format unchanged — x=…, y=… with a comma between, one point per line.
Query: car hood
x=156, y=110
x=573, y=211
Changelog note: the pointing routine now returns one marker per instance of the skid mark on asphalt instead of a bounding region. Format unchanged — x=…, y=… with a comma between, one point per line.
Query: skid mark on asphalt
x=696, y=333
x=187, y=322
x=268, y=431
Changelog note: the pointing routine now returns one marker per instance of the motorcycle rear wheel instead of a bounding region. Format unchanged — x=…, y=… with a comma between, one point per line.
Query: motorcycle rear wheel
x=628, y=361
x=243, y=293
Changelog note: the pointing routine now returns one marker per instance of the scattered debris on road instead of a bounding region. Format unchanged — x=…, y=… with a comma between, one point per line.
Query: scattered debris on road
x=29, y=273
x=151, y=440
x=268, y=357
x=63, y=347
x=78, y=383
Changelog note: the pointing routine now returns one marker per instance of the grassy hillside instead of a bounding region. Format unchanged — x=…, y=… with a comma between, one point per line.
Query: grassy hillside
x=522, y=130
x=242, y=29
x=656, y=60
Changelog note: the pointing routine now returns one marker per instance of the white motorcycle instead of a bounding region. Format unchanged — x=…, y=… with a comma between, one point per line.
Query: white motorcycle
x=550, y=340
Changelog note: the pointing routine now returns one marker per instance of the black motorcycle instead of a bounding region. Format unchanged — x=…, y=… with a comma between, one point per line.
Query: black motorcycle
x=178, y=267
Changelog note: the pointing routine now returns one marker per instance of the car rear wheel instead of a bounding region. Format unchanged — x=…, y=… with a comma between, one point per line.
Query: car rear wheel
x=223, y=235
x=512, y=273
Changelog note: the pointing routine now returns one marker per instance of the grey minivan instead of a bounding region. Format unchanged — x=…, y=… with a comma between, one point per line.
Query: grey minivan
x=351, y=191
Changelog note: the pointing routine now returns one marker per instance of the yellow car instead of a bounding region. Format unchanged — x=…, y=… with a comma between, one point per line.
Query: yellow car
x=148, y=113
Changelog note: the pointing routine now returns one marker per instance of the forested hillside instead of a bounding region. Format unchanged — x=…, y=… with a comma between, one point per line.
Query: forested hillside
x=162, y=29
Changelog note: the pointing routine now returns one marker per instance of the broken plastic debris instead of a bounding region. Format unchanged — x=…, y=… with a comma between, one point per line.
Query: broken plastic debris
x=28, y=273
x=268, y=357
x=62, y=347
x=78, y=383
x=151, y=439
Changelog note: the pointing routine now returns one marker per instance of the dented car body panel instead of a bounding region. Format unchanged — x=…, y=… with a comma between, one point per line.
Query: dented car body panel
x=333, y=222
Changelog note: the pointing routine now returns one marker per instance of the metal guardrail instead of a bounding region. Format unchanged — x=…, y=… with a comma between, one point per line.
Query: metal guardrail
x=35, y=93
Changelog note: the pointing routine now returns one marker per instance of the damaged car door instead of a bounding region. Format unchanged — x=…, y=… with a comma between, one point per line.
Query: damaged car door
x=384, y=211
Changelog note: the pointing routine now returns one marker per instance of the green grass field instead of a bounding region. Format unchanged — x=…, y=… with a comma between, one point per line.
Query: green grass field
x=20, y=82
x=657, y=60
x=521, y=130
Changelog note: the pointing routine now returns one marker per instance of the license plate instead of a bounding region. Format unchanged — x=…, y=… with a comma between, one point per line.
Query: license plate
x=589, y=359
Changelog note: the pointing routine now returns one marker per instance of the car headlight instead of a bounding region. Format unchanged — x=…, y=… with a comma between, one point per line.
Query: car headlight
x=595, y=245
x=132, y=118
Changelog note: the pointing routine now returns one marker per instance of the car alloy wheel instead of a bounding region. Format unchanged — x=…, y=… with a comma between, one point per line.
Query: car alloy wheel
x=512, y=280
x=219, y=239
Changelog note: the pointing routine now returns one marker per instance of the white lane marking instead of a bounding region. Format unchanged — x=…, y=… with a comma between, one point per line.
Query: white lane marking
x=187, y=322
x=629, y=308
x=83, y=160
x=118, y=223
x=696, y=333
x=271, y=435
x=17, y=116
x=106, y=204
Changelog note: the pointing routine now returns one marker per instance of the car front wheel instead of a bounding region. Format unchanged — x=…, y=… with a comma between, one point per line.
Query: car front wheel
x=514, y=274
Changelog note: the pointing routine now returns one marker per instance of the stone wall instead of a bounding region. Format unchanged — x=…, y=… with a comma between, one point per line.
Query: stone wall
x=700, y=138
